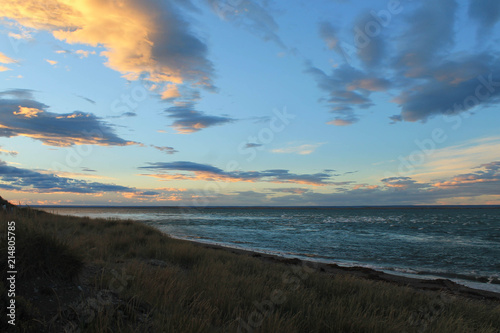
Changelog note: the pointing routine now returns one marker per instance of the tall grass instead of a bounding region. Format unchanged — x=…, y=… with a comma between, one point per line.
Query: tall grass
x=160, y=284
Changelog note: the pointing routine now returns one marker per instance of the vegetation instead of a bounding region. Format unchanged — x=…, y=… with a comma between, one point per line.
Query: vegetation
x=85, y=275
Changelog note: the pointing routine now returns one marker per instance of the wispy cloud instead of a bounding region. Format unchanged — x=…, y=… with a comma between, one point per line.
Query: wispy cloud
x=7, y=152
x=91, y=101
x=165, y=149
x=291, y=190
x=251, y=15
x=448, y=161
x=330, y=35
x=83, y=53
x=5, y=60
x=304, y=149
x=253, y=145
x=197, y=171
x=52, y=62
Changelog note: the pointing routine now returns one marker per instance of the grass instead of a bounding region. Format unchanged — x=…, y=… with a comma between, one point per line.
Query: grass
x=140, y=280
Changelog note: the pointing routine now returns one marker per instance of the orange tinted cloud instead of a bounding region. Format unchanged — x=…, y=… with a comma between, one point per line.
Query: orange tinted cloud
x=23, y=116
x=137, y=36
x=365, y=187
x=201, y=176
x=205, y=172
x=457, y=181
x=27, y=112
x=489, y=172
x=5, y=60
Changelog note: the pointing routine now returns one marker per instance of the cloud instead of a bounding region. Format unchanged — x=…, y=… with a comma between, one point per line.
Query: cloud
x=416, y=58
x=253, y=145
x=347, y=88
x=196, y=171
x=83, y=53
x=86, y=99
x=27, y=112
x=373, y=52
x=430, y=32
x=305, y=149
x=448, y=161
x=250, y=15
x=329, y=34
x=30, y=118
x=486, y=13
x=400, y=183
x=52, y=62
x=344, y=121
x=488, y=177
x=293, y=190
x=156, y=42
x=188, y=120
x=171, y=92
x=33, y=181
x=18, y=93
x=483, y=181
x=8, y=152
x=123, y=115
x=80, y=53
x=451, y=88
x=165, y=149
x=5, y=60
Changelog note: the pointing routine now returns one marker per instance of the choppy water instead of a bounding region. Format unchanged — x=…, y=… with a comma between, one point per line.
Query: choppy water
x=459, y=244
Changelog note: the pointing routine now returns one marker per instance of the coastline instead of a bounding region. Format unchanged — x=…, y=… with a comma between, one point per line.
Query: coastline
x=485, y=282
x=438, y=284
x=95, y=275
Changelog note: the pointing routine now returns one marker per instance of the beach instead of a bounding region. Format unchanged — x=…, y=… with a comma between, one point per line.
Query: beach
x=96, y=275
x=462, y=245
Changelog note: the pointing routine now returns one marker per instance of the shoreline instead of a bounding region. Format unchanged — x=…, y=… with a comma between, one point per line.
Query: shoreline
x=110, y=275
x=438, y=284
x=423, y=282
x=487, y=281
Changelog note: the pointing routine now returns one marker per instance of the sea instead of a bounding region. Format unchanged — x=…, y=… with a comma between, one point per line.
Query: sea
x=460, y=244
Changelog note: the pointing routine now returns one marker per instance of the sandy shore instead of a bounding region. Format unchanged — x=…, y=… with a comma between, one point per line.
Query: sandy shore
x=444, y=285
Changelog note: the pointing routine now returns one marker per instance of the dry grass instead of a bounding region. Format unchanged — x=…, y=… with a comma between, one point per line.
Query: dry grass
x=150, y=282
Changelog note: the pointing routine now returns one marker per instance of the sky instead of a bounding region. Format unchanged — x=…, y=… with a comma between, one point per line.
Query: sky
x=250, y=102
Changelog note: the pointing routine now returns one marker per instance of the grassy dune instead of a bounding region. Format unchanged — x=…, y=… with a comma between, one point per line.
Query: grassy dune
x=85, y=275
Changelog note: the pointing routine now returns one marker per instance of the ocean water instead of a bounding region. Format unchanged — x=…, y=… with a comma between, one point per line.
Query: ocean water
x=462, y=245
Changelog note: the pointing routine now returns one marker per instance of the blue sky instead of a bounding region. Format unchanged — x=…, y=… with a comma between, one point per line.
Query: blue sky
x=246, y=102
